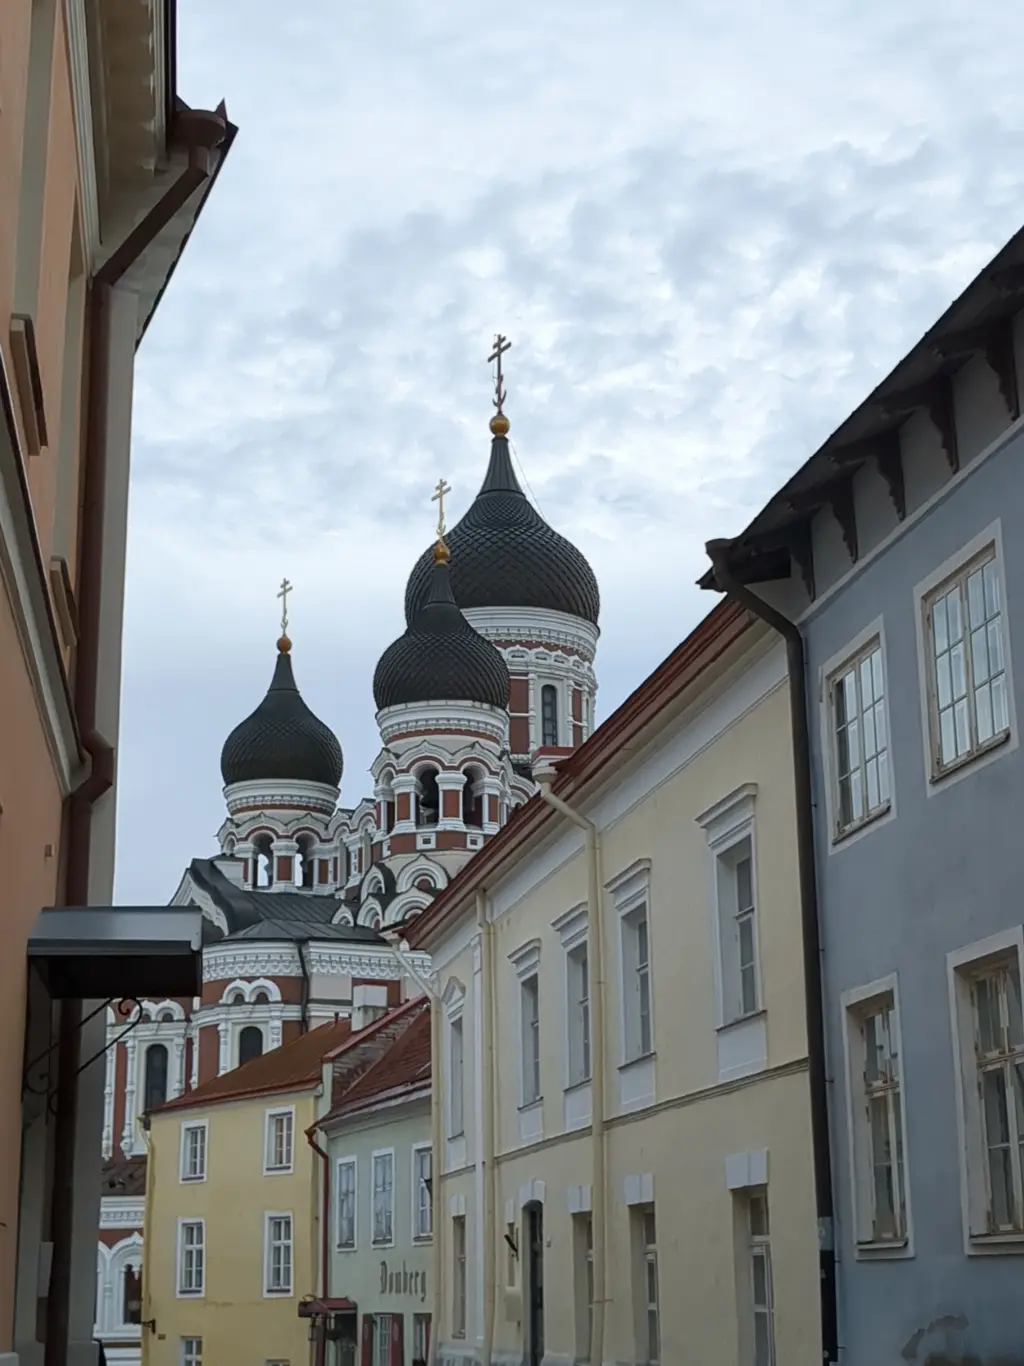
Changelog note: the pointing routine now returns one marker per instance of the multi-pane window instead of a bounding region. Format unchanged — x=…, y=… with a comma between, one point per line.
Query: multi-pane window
x=530, y=1022
x=583, y=1249
x=131, y=1295
x=421, y=1184
x=761, y=1280
x=250, y=1044
x=191, y=1257
x=999, y=1047
x=636, y=985
x=578, y=975
x=191, y=1352
x=383, y=1197
x=459, y=1276
x=737, y=907
x=154, y=1090
x=382, y=1340
x=347, y=1203
x=969, y=687
x=861, y=741
x=193, y=1152
x=456, y=1099
x=280, y=1138
x=652, y=1324
x=279, y=1254
x=549, y=714
x=884, y=1124
x=420, y=1337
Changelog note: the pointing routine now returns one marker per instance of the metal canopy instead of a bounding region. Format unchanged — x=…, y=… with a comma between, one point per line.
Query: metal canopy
x=105, y=952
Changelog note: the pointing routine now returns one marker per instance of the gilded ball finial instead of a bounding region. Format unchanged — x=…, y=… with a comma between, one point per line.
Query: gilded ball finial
x=500, y=424
x=441, y=552
x=284, y=645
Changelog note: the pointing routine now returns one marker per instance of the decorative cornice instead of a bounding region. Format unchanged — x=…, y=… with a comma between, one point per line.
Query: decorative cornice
x=228, y=961
x=507, y=624
x=119, y=1212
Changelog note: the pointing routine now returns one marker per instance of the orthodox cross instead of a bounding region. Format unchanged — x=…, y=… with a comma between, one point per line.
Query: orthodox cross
x=286, y=588
x=501, y=345
x=438, y=497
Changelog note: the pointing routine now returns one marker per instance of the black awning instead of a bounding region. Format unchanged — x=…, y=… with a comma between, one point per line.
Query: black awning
x=105, y=952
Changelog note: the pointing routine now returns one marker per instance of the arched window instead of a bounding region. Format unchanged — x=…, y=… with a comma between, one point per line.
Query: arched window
x=131, y=1296
x=549, y=714
x=154, y=1089
x=263, y=861
x=307, y=863
x=428, y=800
x=473, y=798
x=260, y=998
x=250, y=1044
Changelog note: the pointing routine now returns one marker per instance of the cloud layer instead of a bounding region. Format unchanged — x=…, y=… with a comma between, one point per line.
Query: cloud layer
x=709, y=230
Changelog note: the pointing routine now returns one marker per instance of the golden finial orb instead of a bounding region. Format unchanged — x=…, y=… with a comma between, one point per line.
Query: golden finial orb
x=500, y=424
x=441, y=552
x=284, y=645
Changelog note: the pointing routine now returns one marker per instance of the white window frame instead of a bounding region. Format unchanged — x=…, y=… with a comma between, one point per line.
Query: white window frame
x=271, y=1292
x=940, y=776
x=631, y=897
x=188, y=1128
x=190, y=1351
x=454, y=1001
x=460, y=1276
x=727, y=825
x=422, y=1234
x=857, y=1003
x=963, y=965
x=192, y=1292
x=650, y=1260
x=573, y=931
x=525, y=962
x=759, y=1249
x=346, y=1163
x=278, y=1112
x=421, y=1334
x=376, y=1158
x=380, y=1354
x=835, y=668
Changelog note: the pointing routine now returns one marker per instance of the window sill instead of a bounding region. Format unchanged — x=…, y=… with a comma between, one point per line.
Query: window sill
x=452, y=1138
x=377, y=1244
x=278, y=1294
x=193, y=1180
x=992, y=1244
x=529, y=1105
x=939, y=775
x=890, y=1248
x=422, y=1239
x=278, y=1171
x=738, y=1020
x=345, y=1247
x=839, y=836
x=583, y=1081
x=640, y=1058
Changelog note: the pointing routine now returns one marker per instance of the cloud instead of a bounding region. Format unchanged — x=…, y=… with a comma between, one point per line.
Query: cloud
x=708, y=229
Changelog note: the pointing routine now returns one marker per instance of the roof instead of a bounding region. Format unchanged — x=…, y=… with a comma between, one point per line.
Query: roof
x=404, y=1065
x=285, y=928
x=611, y=742
x=980, y=320
x=292, y=1067
x=124, y=1176
x=298, y=915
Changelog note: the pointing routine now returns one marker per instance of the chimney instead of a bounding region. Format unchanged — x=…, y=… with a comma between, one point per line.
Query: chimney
x=369, y=1003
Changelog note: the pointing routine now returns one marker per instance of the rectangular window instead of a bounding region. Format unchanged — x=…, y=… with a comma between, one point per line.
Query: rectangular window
x=881, y=1079
x=459, y=1276
x=578, y=976
x=583, y=1256
x=549, y=714
x=652, y=1338
x=383, y=1197
x=191, y=1352
x=420, y=1337
x=279, y=1140
x=382, y=1340
x=737, y=906
x=456, y=1099
x=860, y=740
x=636, y=986
x=191, y=1257
x=967, y=683
x=999, y=1047
x=193, y=1152
x=278, y=1254
x=422, y=1211
x=761, y=1280
x=529, y=1005
x=346, y=1182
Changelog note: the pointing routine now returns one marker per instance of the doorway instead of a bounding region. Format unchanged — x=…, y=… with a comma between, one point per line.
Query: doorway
x=535, y=1283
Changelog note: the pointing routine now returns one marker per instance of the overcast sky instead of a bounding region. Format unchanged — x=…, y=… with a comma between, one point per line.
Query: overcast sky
x=708, y=228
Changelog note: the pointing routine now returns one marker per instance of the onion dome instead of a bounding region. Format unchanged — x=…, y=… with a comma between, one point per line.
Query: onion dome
x=440, y=658
x=504, y=554
x=282, y=740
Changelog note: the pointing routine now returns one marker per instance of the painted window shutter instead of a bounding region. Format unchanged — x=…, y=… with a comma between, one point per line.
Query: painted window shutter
x=367, y=1340
x=397, y=1346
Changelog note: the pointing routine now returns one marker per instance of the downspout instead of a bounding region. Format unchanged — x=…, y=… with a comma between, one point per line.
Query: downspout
x=598, y=1140
x=302, y=945
x=488, y=1136
x=325, y=1240
x=148, y=1324
x=205, y=132
x=816, y=1063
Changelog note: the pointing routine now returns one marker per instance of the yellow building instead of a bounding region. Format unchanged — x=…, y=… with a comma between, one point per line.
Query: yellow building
x=231, y=1213
x=629, y=949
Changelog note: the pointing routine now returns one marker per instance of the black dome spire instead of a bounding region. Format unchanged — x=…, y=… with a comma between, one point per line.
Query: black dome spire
x=504, y=554
x=440, y=658
x=282, y=739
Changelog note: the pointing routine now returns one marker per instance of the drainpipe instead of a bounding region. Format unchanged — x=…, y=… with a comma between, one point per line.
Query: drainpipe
x=488, y=1136
x=816, y=1064
x=148, y=1324
x=204, y=131
x=325, y=1240
x=302, y=945
x=598, y=1141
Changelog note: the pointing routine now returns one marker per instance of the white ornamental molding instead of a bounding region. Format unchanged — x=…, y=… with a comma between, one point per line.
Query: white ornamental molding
x=310, y=797
x=117, y=1212
x=226, y=962
x=394, y=722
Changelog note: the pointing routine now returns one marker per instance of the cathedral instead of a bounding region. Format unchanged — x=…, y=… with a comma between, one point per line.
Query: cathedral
x=496, y=662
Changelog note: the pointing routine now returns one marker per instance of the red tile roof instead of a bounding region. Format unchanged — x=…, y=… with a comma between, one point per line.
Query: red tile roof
x=293, y=1067
x=124, y=1176
x=406, y=1063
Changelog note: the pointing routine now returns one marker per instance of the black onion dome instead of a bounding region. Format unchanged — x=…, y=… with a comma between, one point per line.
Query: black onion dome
x=440, y=658
x=282, y=739
x=504, y=554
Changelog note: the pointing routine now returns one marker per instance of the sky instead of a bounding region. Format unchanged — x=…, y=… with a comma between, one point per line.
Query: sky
x=708, y=229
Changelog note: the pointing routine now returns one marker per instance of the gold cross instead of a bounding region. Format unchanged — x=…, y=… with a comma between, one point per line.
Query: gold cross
x=501, y=345
x=438, y=497
x=286, y=588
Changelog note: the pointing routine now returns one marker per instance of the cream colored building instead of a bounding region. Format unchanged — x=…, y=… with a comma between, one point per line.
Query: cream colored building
x=674, y=1013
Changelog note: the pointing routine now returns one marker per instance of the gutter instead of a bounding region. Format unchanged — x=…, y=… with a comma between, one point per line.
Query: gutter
x=598, y=1139
x=320, y=1356
x=818, y=1077
x=207, y=131
x=490, y=1170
